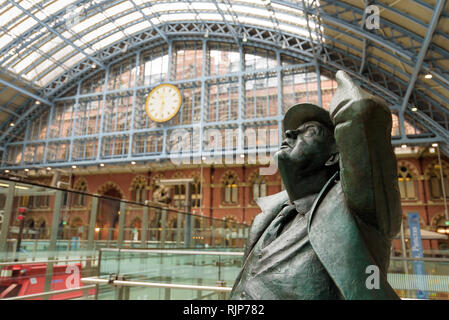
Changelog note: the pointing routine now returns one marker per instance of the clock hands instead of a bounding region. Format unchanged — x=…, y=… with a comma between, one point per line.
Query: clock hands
x=162, y=103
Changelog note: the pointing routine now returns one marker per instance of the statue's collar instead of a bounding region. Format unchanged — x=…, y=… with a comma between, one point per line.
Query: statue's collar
x=273, y=202
x=277, y=201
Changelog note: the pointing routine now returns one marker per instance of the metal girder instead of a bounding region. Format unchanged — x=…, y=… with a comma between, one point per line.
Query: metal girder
x=97, y=62
x=25, y=92
x=128, y=157
x=139, y=40
x=163, y=35
x=34, y=33
x=6, y=109
x=422, y=53
x=256, y=41
x=18, y=121
x=402, y=53
x=353, y=28
x=230, y=28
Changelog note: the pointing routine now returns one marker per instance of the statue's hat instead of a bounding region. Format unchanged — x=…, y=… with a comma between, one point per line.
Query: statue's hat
x=305, y=112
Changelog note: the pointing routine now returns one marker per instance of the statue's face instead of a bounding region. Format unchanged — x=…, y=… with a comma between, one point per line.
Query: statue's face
x=306, y=149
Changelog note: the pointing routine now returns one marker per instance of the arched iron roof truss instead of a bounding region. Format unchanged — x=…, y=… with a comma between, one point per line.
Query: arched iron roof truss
x=48, y=46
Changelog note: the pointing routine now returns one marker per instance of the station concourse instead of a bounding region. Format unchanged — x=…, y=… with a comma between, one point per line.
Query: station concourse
x=137, y=136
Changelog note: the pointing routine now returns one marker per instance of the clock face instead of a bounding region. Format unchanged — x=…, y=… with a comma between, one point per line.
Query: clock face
x=163, y=102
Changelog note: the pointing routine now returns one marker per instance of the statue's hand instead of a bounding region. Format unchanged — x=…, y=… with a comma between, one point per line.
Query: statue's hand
x=347, y=93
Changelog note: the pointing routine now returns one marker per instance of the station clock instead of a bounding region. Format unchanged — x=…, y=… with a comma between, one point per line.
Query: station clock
x=163, y=102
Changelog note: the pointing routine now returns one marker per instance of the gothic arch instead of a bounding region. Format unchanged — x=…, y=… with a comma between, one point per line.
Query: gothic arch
x=408, y=175
x=138, y=181
x=138, y=189
x=431, y=165
x=156, y=177
x=433, y=177
x=81, y=182
x=110, y=185
x=253, y=175
x=178, y=175
x=230, y=218
x=437, y=217
x=228, y=173
x=76, y=220
x=410, y=166
x=80, y=185
x=229, y=188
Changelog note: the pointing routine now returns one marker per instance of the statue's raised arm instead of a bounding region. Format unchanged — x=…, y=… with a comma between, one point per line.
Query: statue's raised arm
x=368, y=169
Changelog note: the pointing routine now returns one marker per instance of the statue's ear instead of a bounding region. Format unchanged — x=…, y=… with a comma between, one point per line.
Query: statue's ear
x=333, y=159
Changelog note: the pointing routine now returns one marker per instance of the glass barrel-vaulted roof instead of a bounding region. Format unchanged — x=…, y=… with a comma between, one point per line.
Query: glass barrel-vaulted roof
x=78, y=30
x=48, y=45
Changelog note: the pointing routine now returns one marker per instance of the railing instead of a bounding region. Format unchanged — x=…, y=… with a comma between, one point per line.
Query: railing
x=70, y=221
x=84, y=289
x=203, y=274
x=165, y=274
x=46, y=225
x=186, y=274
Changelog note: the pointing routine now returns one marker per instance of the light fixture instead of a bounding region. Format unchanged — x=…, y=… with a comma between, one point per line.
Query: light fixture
x=48, y=168
x=284, y=45
x=38, y=102
x=404, y=146
x=414, y=109
x=73, y=167
x=432, y=150
x=26, y=170
x=242, y=156
x=97, y=229
x=206, y=35
x=11, y=124
x=244, y=38
x=101, y=164
x=94, y=66
x=133, y=162
x=428, y=76
x=434, y=144
x=203, y=158
x=6, y=171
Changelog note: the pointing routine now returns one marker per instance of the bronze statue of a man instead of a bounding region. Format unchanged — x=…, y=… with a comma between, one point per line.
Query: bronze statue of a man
x=331, y=229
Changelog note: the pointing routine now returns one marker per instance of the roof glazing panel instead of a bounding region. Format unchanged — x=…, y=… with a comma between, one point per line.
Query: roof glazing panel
x=73, y=27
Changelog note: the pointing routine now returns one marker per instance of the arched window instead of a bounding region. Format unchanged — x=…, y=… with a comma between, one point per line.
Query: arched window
x=406, y=184
x=259, y=188
x=196, y=192
x=230, y=189
x=80, y=199
x=435, y=185
x=179, y=196
x=138, y=189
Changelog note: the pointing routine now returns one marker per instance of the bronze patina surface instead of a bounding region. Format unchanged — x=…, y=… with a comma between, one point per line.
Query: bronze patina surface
x=340, y=208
